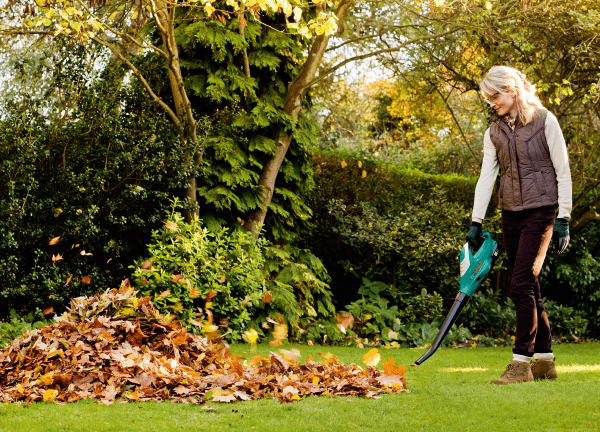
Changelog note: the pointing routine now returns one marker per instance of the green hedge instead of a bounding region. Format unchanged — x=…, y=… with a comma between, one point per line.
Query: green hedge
x=389, y=188
x=401, y=227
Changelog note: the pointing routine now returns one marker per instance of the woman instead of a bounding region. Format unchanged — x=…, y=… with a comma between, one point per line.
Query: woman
x=524, y=143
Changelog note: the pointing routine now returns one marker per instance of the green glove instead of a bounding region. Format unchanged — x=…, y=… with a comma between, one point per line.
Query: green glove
x=560, y=236
x=475, y=236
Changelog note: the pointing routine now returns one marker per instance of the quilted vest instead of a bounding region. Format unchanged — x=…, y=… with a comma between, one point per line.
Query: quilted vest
x=527, y=176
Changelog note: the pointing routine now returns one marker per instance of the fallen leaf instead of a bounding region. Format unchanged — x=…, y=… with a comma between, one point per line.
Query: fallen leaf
x=226, y=398
x=210, y=295
x=223, y=279
x=69, y=280
x=290, y=390
x=372, y=358
x=171, y=226
x=147, y=264
x=165, y=293
x=345, y=319
x=56, y=258
x=84, y=253
x=54, y=241
x=48, y=310
x=341, y=328
x=50, y=395
x=390, y=369
x=267, y=298
x=86, y=279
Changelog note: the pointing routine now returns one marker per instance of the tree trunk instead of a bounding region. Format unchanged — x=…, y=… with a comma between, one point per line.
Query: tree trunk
x=166, y=25
x=293, y=105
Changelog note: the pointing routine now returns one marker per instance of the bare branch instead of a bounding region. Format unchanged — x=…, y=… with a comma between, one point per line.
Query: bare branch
x=332, y=69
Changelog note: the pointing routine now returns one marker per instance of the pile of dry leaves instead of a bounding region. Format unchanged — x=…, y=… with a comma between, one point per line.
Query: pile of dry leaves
x=117, y=347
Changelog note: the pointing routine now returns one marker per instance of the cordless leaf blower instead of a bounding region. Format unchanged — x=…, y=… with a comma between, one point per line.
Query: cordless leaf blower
x=473, y=270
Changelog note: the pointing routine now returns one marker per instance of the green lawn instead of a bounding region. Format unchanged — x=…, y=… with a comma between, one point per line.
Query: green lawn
x=449, y=392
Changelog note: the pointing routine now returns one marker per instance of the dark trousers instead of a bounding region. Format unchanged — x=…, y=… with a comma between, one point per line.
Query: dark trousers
x=527, y=235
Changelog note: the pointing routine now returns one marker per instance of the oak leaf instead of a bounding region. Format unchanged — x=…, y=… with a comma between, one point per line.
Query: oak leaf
x=390, y=369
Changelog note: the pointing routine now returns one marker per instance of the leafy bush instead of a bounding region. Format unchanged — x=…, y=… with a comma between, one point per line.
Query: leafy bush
x=488, y=314
x=190, y=267
x=573, y=278
x=298, y=282
x=98, y=178
x=402, y=249
x=568, y=325
x=229, y=278
x=375, y=320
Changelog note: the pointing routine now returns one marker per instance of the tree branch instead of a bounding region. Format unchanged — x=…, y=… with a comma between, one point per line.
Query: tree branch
x=145, y=83
x=332, y=69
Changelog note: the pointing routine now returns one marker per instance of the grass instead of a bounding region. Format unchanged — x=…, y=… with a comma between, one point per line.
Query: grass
x=449, y=392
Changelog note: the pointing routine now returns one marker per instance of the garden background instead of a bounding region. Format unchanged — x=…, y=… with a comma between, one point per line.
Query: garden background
x=329, y=149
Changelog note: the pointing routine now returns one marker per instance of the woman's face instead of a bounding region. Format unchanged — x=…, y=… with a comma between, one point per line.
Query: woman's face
x=503, y=102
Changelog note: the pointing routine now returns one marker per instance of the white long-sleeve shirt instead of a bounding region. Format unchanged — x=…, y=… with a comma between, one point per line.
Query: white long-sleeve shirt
x=560, y=159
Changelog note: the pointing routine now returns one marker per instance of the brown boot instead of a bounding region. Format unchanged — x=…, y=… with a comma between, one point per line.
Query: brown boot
x=543, y=369
x=516, y=372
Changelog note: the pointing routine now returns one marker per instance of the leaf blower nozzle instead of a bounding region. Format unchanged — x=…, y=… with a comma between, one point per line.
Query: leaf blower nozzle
x=473, y=270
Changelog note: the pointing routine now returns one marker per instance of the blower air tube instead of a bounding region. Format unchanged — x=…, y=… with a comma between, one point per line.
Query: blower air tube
x=461, y=300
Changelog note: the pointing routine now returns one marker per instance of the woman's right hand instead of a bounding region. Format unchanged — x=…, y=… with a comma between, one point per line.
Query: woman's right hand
x=475, y=236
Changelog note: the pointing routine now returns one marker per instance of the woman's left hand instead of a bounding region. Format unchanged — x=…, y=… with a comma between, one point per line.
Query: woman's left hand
x=560, y=236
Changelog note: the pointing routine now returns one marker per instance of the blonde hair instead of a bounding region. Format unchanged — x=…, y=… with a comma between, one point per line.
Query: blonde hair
x=507, y=79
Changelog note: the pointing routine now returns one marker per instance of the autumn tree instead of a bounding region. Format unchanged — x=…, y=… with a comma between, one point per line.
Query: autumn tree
x=555, y=43
x=130, y=29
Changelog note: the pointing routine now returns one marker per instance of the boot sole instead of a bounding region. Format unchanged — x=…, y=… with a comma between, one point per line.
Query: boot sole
x=509, y=383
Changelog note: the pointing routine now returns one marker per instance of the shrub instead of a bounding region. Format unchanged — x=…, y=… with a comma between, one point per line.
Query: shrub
x=16, y=325
x=416, y=249
x=190, y=269
x=375, y=320
x=490, y=315
x=98, y=179
x=229, y=278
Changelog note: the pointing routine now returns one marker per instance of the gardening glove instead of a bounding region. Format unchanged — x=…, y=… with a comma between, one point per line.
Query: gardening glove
x=560, y=236
x=475, y=236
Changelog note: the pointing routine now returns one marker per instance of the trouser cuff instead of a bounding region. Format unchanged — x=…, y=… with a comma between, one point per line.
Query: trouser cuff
x=521, y=358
